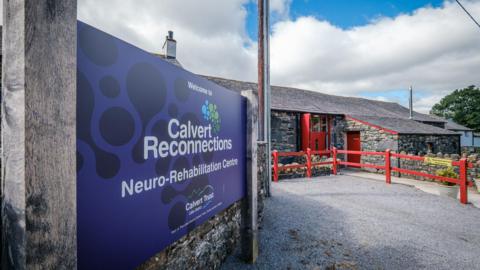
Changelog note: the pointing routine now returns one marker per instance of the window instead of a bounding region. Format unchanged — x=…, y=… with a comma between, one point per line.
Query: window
x=318, y=123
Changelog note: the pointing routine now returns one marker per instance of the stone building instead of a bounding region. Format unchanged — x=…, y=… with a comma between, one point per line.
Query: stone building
x=304, y=119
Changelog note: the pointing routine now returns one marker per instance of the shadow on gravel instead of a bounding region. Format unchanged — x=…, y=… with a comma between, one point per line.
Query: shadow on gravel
x=303, y=233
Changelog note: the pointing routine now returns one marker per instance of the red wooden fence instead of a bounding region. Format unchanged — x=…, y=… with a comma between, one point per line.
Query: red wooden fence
x=309, y=153
x=463, y=165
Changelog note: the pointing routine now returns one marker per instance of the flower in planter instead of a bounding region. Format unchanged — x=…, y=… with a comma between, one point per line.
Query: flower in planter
x=448, y=172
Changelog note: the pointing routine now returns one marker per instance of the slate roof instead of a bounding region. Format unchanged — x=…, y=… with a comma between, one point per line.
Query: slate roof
x=389, y=115
x=450, y=125
x=403, y=126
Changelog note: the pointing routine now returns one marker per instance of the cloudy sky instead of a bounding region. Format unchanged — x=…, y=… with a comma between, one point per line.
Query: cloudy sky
x=368, y=48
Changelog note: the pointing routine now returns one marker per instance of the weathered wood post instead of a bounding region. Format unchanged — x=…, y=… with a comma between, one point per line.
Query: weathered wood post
x=250, y=215
x=39, y=134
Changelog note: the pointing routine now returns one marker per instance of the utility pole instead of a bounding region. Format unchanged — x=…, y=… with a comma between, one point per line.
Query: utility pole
x=264, y=85
x=410, y=101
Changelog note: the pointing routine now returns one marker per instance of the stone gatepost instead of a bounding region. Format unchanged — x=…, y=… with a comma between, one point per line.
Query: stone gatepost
x=249, y=231
x=39, y=134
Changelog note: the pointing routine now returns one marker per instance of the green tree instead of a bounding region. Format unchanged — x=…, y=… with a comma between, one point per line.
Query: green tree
x=462, y=106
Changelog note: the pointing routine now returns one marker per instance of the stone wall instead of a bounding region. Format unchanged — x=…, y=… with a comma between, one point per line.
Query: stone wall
x=372, y=139
x=285, y=131
x=418, y=144
x=420, y=166
x=470, y=150
x=318, y=170
x=205, y=247
x=338, y=132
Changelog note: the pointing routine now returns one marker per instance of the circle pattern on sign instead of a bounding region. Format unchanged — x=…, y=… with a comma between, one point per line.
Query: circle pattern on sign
x=182, y=92
x=117, y=126
x=109, y=87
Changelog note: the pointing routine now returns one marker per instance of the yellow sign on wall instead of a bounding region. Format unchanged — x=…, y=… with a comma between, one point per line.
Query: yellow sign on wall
x=438, y=161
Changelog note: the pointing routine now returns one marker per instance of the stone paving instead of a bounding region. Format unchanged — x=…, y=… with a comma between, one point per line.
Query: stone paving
x=349, y=222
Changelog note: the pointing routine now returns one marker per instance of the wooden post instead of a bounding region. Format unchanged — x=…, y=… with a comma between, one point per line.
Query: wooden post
x=463, y=181
x=275, y=165
x=309, y=162
x=388, y=166
x=334, y=160
x=39, y=220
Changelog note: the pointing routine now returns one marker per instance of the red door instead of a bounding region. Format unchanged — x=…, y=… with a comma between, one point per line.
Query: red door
x=314, y=132
x=353, y=144
x=317, y=141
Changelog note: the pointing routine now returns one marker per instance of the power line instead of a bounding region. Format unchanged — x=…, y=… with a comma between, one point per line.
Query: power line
x=468, y=13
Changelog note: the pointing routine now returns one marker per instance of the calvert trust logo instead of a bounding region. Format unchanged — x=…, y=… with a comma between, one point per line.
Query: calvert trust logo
x=199, y=199
x=210, y=114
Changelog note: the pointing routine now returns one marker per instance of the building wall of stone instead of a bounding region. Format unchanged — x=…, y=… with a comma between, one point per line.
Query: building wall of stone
x=338, y=131
x=419, y=144
x=285, y=134
x=377, y=140
x=372, y=139
x=285, y=131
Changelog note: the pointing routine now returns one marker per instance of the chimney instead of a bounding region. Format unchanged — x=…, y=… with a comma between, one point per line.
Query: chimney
x=411, y=103
x=170, y=46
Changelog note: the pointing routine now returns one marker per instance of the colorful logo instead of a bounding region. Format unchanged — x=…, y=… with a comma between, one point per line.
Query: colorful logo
x=210, y=113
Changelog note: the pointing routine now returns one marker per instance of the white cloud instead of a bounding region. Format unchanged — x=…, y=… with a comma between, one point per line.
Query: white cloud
x=280, y=7
x=424, y=104
x=211, y=34
x=433, y=49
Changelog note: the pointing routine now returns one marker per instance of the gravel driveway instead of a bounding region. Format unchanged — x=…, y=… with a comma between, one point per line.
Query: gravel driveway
x=345, y=222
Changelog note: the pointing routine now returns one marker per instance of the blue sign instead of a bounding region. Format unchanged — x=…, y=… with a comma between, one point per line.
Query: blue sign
x=160, y=151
